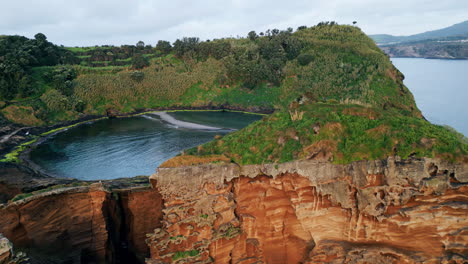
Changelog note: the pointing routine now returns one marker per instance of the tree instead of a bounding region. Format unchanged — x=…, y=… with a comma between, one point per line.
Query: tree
x=252, y=35
x=40, y=37
x=139, y=62
x=18, y=55
x=292, y=46
x=302, y=27
x=137, y=76
x=354, y=22
x=304, y=59
x=163, y=46
x=55, y=101
x=186, y=45
x=140, y=44
x=62, y=78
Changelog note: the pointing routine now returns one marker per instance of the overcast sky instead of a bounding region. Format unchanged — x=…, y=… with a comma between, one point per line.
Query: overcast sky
x=98, y=22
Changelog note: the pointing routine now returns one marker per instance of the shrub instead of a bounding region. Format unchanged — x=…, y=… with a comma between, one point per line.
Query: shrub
x=139, y=62
x=304, y=59
x=137, y=76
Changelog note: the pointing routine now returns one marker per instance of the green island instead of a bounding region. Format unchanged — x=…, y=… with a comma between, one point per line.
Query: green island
x=333, y=93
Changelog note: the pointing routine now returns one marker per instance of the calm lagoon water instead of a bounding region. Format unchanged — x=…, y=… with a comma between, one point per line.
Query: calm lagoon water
x=127, y=147
x=440, y=88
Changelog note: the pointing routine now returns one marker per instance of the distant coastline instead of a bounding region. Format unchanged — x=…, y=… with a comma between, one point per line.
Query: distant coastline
x=449, y=43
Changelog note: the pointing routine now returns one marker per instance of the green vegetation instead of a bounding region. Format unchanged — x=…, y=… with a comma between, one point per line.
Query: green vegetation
x=346, y=133
x=232, y=232
x=14, y=155
x=328, y=76
x=185, y=254
x=18, y=56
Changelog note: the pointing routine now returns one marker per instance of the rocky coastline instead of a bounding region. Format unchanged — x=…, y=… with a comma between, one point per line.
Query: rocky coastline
x=311, y=212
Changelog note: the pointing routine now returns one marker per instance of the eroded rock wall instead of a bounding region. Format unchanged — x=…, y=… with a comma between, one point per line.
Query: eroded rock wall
x=142, y=213
x=391, y=211
x=70, y=223
x=83, y=224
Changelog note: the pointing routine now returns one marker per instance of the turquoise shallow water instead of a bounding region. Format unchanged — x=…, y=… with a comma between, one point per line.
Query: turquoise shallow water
x=127, y=147
x=440, y=88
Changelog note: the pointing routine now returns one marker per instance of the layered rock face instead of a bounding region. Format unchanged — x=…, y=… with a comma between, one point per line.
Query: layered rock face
x=71, y=222
x=142, y=213
x=83, y=224
x=390, y=211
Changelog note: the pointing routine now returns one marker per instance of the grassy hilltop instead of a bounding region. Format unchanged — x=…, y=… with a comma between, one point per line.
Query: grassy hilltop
x=336, y=95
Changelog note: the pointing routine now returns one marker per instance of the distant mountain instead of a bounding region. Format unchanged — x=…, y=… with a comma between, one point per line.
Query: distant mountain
x=446, y=43
x=460, y=29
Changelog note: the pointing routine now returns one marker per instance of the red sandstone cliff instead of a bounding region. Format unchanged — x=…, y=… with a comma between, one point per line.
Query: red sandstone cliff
x=68, y=222
x=83, y=224
x=392, y=211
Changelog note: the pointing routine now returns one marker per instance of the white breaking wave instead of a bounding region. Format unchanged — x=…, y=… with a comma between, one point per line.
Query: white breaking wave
x=182, y=124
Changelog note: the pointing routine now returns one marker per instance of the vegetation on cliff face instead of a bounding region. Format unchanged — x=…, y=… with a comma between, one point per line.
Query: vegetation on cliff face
x=336, y=132
x=336, y=94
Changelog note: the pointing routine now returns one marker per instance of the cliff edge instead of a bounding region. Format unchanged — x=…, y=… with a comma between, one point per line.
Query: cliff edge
x=382, y=211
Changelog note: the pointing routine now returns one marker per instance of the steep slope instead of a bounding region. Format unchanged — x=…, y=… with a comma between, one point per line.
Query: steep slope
x=348, y=104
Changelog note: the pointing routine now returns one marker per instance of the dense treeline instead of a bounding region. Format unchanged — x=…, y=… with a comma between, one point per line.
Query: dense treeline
x=102, y=56
x=260, y=60
x=18, y=55
x=265, y=70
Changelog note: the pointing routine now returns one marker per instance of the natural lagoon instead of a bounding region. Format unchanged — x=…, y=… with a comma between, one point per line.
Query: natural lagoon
x=127, y=147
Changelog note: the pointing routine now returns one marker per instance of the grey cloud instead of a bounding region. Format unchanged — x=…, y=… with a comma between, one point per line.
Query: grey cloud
x=97, y=22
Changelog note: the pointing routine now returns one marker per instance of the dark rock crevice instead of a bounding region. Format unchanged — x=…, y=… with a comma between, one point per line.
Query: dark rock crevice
x=83, y=224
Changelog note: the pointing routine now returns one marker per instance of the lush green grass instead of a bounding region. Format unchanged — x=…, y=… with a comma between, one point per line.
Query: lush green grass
x=347, y=133
x=13, y=156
